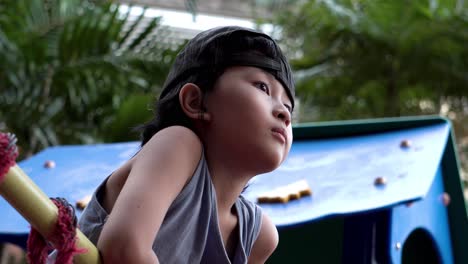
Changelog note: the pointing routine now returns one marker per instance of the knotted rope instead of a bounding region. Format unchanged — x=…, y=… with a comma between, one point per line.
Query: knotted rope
x=64, y=237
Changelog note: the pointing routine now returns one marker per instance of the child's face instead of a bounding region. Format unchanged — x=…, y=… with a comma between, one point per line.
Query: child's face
x=251, y=117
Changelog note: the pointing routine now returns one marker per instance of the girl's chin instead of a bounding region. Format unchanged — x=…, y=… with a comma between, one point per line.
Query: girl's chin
x=272, y=164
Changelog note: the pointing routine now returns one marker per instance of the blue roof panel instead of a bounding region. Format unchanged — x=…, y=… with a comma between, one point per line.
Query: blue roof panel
x=341, y=173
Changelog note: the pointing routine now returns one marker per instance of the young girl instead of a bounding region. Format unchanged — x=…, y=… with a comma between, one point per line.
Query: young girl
x=224, y=116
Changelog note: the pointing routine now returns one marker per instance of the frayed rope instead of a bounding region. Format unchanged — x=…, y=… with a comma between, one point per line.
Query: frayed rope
x=8, y=153
x=64, y=237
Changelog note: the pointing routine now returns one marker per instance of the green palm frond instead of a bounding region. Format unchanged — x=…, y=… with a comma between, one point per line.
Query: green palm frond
x=67, y=66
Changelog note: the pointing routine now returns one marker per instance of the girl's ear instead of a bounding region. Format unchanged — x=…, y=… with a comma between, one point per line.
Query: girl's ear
x=191, y=102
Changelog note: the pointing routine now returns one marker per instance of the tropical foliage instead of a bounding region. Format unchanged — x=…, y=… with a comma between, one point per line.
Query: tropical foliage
x=68, y=66
x=376, y=58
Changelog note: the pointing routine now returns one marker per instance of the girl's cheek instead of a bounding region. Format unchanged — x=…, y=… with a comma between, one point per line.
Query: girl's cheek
x=290, y=133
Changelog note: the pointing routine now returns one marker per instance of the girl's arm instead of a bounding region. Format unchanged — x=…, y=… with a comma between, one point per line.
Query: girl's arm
x=266, y=242
x=158, y=174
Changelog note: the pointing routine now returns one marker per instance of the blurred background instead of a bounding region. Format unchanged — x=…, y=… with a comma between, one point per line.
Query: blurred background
x=83, y=71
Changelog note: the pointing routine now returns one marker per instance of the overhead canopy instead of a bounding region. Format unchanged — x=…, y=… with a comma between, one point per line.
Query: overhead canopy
x=241, y=8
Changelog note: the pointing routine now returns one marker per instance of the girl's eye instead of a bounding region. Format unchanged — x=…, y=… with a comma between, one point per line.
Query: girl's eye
x=288, y=107
x=262, y=86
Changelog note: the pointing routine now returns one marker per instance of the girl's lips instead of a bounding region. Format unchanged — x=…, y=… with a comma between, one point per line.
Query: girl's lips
x=280, y=134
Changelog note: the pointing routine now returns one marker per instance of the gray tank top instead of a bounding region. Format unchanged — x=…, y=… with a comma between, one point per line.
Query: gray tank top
x=189, y=232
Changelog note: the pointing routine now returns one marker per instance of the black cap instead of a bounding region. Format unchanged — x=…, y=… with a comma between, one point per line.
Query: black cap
x=219, y=48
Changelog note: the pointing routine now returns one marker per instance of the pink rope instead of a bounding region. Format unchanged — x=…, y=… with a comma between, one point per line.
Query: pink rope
x=37, y=248
x=8, y=154
x=64, y=236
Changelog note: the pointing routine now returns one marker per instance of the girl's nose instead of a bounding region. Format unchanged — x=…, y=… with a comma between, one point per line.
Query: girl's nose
x=282, y=113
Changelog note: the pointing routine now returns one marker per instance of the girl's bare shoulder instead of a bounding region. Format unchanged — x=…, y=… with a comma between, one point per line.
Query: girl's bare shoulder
x=171, y=144
x=171, y=147
x=177, y=135
x=266, y=242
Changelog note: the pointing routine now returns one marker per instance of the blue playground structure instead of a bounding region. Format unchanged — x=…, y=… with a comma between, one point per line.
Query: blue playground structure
x=383, y=191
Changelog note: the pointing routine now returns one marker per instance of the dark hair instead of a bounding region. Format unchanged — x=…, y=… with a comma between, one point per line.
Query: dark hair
x=204, y=59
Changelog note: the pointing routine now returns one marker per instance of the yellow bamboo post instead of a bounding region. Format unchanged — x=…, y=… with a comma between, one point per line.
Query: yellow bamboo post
x=36, y=207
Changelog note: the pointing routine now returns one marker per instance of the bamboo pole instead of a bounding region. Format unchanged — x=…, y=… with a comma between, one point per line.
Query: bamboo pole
x=36, y=207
